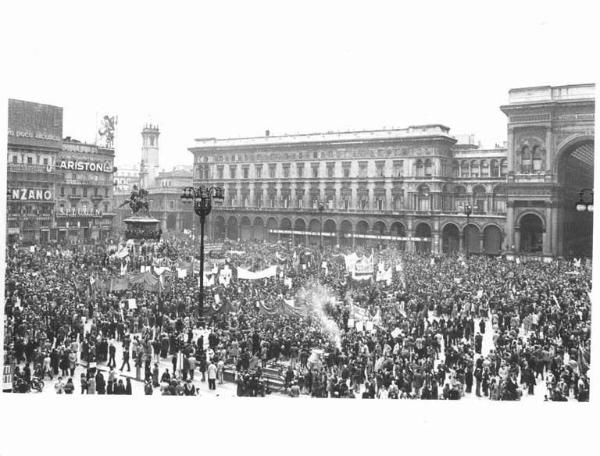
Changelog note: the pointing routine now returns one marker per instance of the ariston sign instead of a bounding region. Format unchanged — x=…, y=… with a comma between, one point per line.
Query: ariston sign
x=84, y=166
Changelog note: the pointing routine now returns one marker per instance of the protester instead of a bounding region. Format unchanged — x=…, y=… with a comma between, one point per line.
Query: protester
x=434, y=327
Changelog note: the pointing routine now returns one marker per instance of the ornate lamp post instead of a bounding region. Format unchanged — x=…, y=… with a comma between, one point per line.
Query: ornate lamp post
x=468, y=211
x=202, y=197
x=586, y=200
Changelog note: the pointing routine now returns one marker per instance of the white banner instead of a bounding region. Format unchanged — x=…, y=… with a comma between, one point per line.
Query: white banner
x=131, y=303
x=244, y=274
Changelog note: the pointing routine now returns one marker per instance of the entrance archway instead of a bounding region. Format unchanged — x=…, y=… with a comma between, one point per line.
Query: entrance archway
x=423, y=231
x=286, y=225
x=531, y=228
x=219, y=227
x=232, y=229
x=450, y=238
x=362, y=228
x=575, y=173
x=245, y=229
x=330, y=228
x=272, y=226
x=398, y=229
x=492, y=240
x=315, y=228
x=472, y=239
x=346, y=229
x=300, y=226
x=259, y=229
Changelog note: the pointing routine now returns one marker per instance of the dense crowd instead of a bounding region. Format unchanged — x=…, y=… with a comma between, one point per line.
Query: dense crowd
x=417, y=336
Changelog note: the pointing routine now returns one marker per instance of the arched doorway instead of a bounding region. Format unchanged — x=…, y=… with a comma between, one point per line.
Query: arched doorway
x=362, y=228
x=271, y=227
x=397, y=229
x=300, y=226
x=346, y=233
x=259, y=229
x=315, y=228
x=472, y=239
x=379, y=230
x=232, y=229
x=330, y=228
x=575, y=173
x=423, y=230
x=286, y=225
x=450, y=238
x=531, y=229
x=172, y=222
x=219, y=228
x=492, y=240
x=245, y=229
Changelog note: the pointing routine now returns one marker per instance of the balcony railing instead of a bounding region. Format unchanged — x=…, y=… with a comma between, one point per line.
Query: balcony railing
x=366, y=211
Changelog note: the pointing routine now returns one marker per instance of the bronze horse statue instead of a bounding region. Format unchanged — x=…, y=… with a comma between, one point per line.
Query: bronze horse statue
x=138, y=200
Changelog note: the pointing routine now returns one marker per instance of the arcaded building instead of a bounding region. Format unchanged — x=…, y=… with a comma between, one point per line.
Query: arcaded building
x=404, y=186
x=411, y=187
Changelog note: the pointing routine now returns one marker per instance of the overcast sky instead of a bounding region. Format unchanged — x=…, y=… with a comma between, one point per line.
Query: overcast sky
x=223, y=69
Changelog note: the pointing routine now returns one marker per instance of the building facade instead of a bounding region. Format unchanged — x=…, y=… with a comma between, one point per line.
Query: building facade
x=410, y=187
x=165, y=199
x=84, y=192
x=34, y=145
x=57, y=189
x=551, y=161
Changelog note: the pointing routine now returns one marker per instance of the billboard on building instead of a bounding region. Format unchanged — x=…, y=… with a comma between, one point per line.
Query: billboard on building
x=27, y=120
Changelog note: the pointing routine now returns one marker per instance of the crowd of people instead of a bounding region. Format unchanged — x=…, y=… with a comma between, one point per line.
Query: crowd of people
x=322, y=333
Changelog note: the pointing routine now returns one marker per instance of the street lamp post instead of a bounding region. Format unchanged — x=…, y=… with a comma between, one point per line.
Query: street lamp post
x=321, y=209
x=468, y=211
x=202, y=197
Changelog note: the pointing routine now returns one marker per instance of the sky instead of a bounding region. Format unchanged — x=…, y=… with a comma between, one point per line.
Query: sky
x=227, y=69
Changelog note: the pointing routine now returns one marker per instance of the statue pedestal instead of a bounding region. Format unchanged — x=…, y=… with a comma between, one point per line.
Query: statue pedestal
x=142, y=228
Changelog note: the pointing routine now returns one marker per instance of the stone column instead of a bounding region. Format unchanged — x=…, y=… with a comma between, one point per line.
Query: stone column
x=517, y=239
x=481, y=239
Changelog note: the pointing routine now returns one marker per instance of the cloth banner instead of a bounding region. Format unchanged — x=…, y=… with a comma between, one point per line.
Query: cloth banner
x=244, y=274
x=181, y=273
x=350, y=323
x=119, y=284
x=359, y=326
x=225, y=276
x=350, y=261
x=131, y=304
x=268, y=308
x=386, y=276
x=288, y=282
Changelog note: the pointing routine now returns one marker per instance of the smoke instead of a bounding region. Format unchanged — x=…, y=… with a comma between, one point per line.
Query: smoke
x=317, y=297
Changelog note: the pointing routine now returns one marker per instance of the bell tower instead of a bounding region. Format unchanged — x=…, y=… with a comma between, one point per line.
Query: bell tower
x=149, y=165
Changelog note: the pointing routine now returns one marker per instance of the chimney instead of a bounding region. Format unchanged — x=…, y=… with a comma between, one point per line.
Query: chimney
x=267, y=133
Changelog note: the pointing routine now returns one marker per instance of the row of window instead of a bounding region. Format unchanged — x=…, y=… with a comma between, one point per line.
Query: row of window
x=85, y=207
x=331, y=154
x=29, y=160
x=84, y=192
x=421, y=168
x=419, y=202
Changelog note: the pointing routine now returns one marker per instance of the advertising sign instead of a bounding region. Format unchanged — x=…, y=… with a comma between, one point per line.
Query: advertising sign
x=29, y=194
x=34, y=121
x=75, y=165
